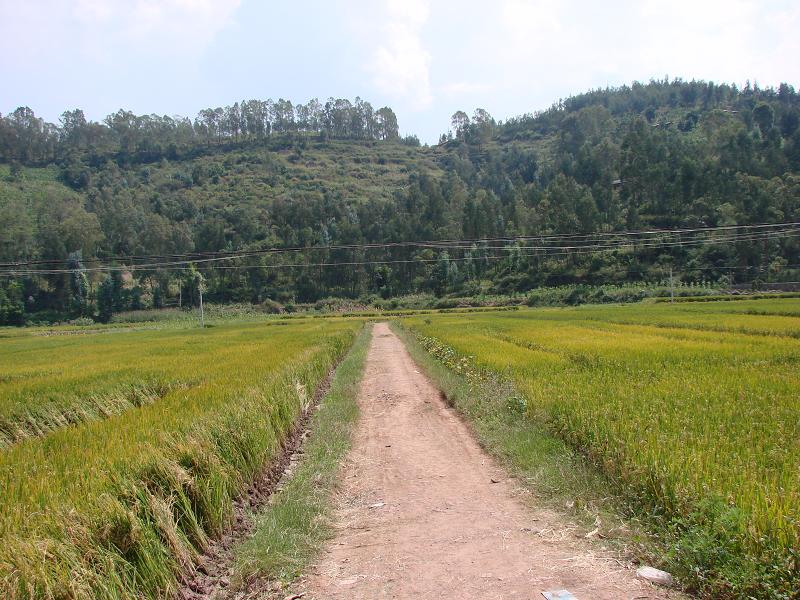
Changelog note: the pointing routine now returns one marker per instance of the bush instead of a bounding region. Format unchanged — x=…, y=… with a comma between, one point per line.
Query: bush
x=82, y=321
x=271, y=307
x=573, y=295
x=12, y=309
x=447, y=303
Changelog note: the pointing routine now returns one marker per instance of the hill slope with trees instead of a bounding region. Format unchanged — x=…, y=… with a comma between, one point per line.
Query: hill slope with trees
x=294, y=203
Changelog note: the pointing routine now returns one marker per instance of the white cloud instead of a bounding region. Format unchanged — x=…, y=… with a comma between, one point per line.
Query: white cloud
x=400, y=64
x=575, y=45
x=783, y=27
x=425, y=58
x=97, y=11
x=196, y=21
x=716, y=42
x=530, y=23
x=105, y=30
x=459, y=88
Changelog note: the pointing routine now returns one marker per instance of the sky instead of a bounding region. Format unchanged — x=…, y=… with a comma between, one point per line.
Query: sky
x=424, y=58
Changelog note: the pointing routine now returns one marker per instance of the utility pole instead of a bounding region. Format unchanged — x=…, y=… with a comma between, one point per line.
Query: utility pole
x=202, y=317
x=671, y=289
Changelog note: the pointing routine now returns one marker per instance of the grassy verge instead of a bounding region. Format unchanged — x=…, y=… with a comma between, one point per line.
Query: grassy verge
x=295, y=525
x=556, y=475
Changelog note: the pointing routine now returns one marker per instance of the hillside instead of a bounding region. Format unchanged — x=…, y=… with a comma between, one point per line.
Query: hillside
x=666, y=155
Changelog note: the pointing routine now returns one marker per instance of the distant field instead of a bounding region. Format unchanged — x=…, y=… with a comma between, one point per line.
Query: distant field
x=121, y=451
x=694, y=408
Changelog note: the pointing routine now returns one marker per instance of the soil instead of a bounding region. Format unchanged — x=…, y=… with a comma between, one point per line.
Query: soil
x=424, y=512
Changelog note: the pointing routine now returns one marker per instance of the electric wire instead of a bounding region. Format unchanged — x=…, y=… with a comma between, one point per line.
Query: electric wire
x=185, y=265
x=543, y=240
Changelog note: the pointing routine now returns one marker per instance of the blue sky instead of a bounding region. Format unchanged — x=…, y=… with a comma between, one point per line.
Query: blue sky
x=424, y=58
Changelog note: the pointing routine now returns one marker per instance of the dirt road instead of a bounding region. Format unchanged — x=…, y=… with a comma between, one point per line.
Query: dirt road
x=420, y=517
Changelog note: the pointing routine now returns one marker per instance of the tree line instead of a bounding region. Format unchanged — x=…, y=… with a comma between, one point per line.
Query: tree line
x=30, y=140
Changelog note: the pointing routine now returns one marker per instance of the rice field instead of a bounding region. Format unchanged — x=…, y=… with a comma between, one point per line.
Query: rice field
x=692, y=409
x=121, y=451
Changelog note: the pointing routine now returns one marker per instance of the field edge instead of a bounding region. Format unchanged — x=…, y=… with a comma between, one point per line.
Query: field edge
x=292, y=529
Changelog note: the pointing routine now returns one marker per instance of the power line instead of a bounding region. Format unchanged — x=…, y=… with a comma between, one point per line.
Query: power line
x=185, y=265
x=541, y=252
x=790, y=232
x=201, y=257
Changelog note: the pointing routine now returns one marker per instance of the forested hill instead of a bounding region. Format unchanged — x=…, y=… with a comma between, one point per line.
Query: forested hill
x=664, y=154
x=259, y=176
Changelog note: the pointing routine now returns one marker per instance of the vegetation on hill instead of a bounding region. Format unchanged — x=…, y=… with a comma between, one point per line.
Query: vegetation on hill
x=333, y=181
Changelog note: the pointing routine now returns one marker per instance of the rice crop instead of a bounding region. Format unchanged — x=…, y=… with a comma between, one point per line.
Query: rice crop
x=124, y=450
x=693, y=409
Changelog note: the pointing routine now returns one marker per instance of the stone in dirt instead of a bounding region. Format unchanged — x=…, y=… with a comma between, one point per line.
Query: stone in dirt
x=654, y=575
x=559, y=595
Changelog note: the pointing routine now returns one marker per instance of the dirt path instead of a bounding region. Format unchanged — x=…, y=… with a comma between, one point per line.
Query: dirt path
x=420, y=517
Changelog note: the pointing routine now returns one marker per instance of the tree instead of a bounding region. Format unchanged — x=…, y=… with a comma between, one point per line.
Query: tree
x=482, y=124
x=28, y=135
x=283, y=115
x=383, y=281
x=233, y=121
x=460, y=124
x=386, y=124
x=73, y=127
x=192, y=285
x=12, y=309
x=445, y=275
x=663, y=154
x=109, y=296
x=253, y=118
x=125, y=126
x=790, y=122
x=764, y=117
x=78, y=284
x=17, y=230
x=209, y=121
x=75, y=173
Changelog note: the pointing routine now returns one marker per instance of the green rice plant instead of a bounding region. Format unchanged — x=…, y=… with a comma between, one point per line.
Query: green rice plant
x=118, y=505
x=693, y=409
